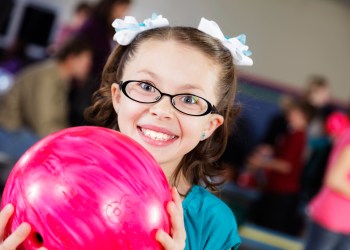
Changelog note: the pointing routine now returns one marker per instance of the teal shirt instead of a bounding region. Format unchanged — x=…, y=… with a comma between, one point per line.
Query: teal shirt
x=209, y=222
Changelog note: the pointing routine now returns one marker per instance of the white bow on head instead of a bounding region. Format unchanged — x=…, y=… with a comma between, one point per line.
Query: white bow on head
x=127, y=29
x=236, y=45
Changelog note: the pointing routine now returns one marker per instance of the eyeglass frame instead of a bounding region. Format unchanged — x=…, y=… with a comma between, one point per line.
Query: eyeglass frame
x=210, y=110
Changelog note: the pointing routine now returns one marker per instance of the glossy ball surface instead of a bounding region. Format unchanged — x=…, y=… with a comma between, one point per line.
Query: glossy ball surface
x=88, y=188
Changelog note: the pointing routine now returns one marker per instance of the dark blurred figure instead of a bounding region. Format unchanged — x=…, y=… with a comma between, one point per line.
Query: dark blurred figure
x=81, y=13
x=15, y=57
x=98, y=31
x=6, y=7
x=278, y=125
x=281, y=165
x=37, y=104
x=317, y=95
x=239, y=145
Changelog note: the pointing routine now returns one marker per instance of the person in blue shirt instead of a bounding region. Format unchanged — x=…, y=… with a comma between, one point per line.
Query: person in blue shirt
x=172, y=89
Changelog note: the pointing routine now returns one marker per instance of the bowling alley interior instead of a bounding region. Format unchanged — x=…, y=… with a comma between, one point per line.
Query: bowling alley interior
x=285, y=169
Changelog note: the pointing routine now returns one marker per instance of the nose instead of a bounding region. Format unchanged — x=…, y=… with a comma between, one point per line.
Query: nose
x=163, y=108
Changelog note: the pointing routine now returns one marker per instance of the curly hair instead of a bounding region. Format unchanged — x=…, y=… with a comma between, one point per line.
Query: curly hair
x=199, y=166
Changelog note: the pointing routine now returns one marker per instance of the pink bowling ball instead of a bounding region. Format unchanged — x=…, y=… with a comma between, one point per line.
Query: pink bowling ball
x=88, y=188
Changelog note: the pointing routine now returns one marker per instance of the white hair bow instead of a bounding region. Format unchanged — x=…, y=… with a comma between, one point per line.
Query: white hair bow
x=236, y=45
x=127, y=29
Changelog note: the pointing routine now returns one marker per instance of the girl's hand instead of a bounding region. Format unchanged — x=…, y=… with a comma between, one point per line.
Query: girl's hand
x=18, y=236
x=177, y=238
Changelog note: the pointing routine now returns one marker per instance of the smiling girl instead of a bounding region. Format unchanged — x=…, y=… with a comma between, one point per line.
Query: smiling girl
x=172, y=90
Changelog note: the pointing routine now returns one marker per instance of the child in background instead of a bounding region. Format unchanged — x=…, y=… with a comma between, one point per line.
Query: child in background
x=98, y=32
x=318, y=95
x=329, y=210
x=37, y=104
x=282, y=166
x=81, y=13
x=172, y=90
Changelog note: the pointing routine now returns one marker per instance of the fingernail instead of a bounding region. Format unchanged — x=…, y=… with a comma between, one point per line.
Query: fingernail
x=24, y=229
x=8, y=208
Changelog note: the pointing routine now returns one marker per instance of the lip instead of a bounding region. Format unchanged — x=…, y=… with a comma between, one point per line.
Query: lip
x=152, y=142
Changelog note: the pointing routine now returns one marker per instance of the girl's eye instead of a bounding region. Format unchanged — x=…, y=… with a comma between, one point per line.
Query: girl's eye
x=147, y=87
x=190, y=99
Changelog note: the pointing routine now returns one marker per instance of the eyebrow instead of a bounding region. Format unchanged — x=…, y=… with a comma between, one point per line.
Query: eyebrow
x=186, y=86
x=147, y=72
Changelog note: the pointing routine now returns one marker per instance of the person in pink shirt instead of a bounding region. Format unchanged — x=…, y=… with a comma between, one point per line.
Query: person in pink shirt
x=329, y=211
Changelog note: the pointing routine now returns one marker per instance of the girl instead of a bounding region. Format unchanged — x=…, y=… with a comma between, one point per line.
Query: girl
x=172, y=90
x=329, y=210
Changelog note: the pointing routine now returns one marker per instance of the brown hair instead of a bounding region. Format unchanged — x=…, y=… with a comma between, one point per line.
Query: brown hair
x=199, y=166
x=101, y=11
x=304, y=107
x=72, y=46
x=316, y=82
x=83, y=7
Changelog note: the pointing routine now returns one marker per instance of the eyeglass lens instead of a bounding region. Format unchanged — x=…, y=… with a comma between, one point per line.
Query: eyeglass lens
x=146, y=93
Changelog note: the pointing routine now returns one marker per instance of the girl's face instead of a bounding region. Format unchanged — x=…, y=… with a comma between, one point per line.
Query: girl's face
x=173, y=68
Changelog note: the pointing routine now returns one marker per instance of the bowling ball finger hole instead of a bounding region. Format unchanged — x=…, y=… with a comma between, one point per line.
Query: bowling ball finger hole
x=37, y=239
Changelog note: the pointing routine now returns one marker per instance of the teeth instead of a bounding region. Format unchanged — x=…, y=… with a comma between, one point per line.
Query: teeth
x=155, y=135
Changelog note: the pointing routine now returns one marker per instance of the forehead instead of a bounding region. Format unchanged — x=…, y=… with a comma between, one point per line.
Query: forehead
x=173, y=63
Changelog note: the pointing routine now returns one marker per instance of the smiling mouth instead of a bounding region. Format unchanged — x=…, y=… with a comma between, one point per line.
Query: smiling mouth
x=157, y=136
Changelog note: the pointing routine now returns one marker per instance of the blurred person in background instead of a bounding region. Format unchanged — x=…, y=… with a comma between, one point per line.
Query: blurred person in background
x=80, y=15
x=98, y=31
x=318, y=95
x=329, y=211
x=281, y=165
x=277, y=126
x=37, y=104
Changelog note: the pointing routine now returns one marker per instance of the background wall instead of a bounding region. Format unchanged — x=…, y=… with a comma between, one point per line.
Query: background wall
x=290, y=39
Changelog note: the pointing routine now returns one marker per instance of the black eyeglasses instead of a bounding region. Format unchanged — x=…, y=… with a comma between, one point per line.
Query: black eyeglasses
x=144, y=92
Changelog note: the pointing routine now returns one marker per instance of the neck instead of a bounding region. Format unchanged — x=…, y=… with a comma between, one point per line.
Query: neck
x=181, y=184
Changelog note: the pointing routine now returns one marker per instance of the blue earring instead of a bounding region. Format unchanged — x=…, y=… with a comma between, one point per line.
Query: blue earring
x=203, y=136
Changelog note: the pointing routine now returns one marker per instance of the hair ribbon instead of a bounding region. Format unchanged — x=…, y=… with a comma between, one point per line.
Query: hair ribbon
x=127, y=29
x=236, y=45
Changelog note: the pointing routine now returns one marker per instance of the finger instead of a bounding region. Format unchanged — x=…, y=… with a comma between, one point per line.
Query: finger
x=5, y=215
x=164, y=239
x=178, y=232
x=16, y=238
x=177, y=199
x=177, y=222
x=175, y=210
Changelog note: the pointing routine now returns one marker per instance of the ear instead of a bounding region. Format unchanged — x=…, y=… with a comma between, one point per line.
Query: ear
x=115, y=90
x=213, y=123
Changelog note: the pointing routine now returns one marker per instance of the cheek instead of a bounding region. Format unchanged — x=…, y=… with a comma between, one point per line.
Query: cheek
x=192, y=127
x=128, y=112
